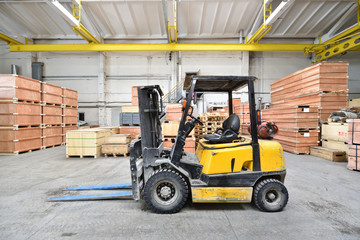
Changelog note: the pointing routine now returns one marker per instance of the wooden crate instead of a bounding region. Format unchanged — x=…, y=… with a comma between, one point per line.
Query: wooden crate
x=20, y=120
x=130, y=109
x=112, y=129
x=51, y=89
x=51, y=119
x=19, y=88
x=20, y=94
x=118, y=138
x=68, y=111
x=354, y=157
x=337, y=145
x=134, y=101
x=69, y=119
x=328, y=154
x=70, y=102
x=115, y=149
x=51, y=141
x=170, y=128
x=303, y=138
x=11, y=133
x=132, y=130
x=15, y=81
x=85, y=142
x=354, y=131
x=334, y=131
x=69, y=93
x=354, y=103
x=25, y=145
x=14, y=107
x=48, y=98
x=52, y=131
x=51, y=110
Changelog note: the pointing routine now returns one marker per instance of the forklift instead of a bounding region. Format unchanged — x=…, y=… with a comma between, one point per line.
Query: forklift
x=227, y=168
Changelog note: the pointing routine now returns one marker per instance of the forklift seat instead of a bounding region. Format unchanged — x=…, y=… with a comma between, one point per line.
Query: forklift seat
x=228, y=133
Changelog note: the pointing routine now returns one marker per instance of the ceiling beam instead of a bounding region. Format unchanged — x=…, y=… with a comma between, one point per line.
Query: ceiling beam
x=73, y=21
x=334, y=29
x=157, y=47
x=255, y=36
x=9, y=40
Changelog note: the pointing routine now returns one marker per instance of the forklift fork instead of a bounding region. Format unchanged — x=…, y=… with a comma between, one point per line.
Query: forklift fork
x=117, y=195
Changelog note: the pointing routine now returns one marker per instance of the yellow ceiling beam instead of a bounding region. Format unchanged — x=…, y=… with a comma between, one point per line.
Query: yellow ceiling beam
x=172, y=29
x=9, y=40
x=157, y=47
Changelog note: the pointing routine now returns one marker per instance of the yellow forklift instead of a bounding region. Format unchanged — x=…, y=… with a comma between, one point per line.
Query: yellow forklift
x=227, y=168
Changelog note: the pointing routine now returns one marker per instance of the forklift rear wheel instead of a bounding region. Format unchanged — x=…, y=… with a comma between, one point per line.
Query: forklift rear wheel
x=270, y=195
x=166, y=191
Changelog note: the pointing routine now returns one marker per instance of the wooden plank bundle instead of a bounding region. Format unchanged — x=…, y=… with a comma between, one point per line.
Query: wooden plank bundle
x=134, y=95
x=354, y=144
x=298, y=127
x=28, y=105
x=322, y=85
x=20, y=114
x=85, y=142
x=134, y=131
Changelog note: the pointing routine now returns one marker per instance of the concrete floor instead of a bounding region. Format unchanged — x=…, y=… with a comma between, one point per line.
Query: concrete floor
x=324, y=204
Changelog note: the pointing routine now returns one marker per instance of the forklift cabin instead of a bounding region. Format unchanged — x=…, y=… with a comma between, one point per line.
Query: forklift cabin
x=225, y=172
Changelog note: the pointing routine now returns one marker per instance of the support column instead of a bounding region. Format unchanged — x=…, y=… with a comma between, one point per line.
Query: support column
x=101, y=91
x=244, y=67
x=174, y=73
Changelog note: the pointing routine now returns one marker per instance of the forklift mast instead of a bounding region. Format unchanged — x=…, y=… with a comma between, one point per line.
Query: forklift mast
x=150, y=107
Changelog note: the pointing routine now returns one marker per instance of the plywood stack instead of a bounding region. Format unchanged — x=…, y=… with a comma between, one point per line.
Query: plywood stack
x=298, y=127
x=51, y=102
x=134, y=96
x=174, y=112
x=116, y=144
x=354, y=144
x=322, y=85
x=85, y=142
x=211, y=122
x=20, y=114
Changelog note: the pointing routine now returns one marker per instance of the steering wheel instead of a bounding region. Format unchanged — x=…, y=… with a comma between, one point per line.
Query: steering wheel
x=195, y=119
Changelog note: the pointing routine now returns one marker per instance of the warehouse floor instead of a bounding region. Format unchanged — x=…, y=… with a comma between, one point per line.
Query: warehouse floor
x=324, y=204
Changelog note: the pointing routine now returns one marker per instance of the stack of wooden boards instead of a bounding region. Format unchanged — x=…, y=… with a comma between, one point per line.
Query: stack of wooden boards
x=34, y=114
x=129, y=116
x=171, y=126
x=300, y=101
x=211, y=121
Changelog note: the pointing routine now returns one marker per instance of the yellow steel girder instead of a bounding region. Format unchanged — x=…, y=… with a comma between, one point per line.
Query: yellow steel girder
x=344, y=46
x=9, y=40
x=157, y=47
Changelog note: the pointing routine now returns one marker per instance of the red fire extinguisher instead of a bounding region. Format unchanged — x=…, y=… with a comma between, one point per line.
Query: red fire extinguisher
x=266, y=130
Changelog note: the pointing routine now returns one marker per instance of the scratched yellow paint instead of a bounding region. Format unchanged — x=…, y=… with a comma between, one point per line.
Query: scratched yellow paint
x=221, y=195
x=218, y=158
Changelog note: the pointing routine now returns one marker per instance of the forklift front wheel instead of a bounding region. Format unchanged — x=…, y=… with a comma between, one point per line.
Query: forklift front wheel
x=166, y=191
x=270, y=195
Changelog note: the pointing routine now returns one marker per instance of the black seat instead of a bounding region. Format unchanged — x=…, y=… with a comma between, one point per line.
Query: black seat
x=228, y=133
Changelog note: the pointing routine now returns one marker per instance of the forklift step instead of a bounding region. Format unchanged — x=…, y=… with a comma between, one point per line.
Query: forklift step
x=118, y=195
x=100, y=187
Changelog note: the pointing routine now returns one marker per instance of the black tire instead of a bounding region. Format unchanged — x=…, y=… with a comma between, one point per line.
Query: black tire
x=270, y=195
x=166, y=192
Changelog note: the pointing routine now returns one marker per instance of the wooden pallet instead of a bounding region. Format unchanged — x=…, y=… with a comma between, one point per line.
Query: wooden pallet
x=115, y=149
x=328, y=154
